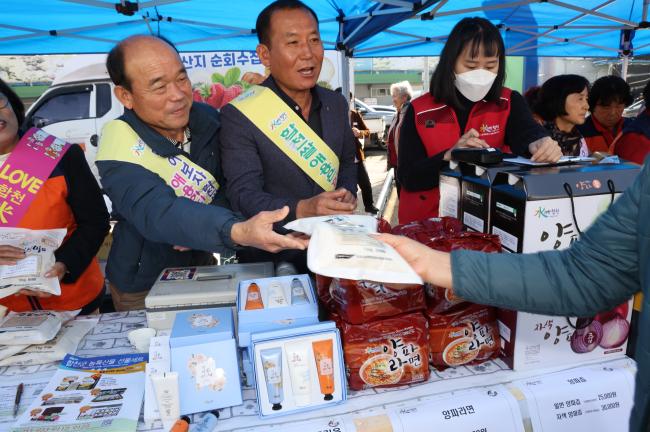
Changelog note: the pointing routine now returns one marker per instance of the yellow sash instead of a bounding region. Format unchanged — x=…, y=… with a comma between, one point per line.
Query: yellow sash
x=120, y=142
x=291, y=134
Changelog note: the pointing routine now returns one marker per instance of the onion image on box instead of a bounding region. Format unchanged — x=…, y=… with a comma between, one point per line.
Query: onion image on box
x=608, y=330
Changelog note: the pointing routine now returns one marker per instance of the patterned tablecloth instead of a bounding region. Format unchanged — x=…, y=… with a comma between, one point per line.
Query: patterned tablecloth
x=110, y=337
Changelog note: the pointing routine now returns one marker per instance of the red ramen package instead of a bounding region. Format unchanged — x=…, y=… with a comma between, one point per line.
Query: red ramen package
x=386, y=353
x=323, y=291
x=442, y=299
x=463, y=336
x=428, y=229
x=468, y=241
x=361, y=301
x=383, y=226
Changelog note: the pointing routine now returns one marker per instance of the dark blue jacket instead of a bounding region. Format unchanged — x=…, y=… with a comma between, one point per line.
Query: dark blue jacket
x=261, y=177
x=152, y=219
x=609, y=264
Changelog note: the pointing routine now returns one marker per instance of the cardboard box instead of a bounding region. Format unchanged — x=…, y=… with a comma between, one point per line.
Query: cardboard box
x=296, y=395
x=274, y=318
x=532, y=211
x=450, y=191
x=476, y=194
x=187, y=288
x=204, y=353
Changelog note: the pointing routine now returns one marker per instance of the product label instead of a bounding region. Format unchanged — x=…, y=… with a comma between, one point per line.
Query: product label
x=581, y=399
x=508, y=241
x=326, y=366
x=473, y=222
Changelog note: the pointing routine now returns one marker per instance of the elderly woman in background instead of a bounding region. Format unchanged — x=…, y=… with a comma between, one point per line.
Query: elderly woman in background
x=563, y=104
x=401, y=92
x=70, y=198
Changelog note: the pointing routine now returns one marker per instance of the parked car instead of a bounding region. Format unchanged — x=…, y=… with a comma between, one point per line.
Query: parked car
x=377, y=121
x=384, y=108
x=76, y=107
x=635, y=109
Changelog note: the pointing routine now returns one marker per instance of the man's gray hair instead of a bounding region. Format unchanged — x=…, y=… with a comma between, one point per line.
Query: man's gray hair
x=403, y=88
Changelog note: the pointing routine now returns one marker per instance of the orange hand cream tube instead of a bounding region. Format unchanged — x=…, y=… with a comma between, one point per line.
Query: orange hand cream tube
x=323, y=354
x=253, y=298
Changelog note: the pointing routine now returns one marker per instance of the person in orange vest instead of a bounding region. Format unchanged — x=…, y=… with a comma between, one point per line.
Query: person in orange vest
x=634, y=143
x=70, y=198
x=608, y=98
x=467, y=106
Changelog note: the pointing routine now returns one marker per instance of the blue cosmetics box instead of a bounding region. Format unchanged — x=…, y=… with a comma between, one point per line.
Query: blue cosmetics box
x=204, y=353
x=298, y=369
x=287, y=301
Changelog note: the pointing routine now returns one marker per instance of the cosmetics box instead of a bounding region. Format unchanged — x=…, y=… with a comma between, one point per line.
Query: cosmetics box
x=185, y=288
x=298, y=369
x=282, y=304
x=204, y=354
x=247, y=367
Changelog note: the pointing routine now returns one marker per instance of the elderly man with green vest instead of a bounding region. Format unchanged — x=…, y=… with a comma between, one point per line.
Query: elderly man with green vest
x=159, y=164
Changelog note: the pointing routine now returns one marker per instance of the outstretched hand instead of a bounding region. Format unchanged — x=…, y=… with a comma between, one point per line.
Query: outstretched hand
x=258, y=232
x=431, y=265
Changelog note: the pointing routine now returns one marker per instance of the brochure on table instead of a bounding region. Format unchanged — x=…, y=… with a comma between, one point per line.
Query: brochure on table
x=97, y=393
x=592, y=398
x=298, y=369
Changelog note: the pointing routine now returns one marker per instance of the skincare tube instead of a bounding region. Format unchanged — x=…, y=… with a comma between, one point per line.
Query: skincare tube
x=253, y=298
x=165, y=386
x=272, y=365
x=298, y=294
x=181, y=425
x=323, y=354
x=297, y=360
x=276, y=295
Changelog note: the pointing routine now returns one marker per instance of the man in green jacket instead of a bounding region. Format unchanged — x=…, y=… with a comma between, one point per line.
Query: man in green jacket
x=609, y=264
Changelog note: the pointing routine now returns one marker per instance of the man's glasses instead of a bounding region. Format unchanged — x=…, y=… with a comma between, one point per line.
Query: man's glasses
x=4, y=101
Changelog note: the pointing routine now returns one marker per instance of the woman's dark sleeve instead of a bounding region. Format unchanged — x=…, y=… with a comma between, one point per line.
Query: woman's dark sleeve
x=91, y=217
x=521, y=127
x=416, y=171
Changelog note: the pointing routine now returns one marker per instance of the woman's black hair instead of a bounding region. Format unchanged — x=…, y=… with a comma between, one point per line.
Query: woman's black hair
x=552, y=97
x=15, y=102
x=608, y=89
x=476, y=33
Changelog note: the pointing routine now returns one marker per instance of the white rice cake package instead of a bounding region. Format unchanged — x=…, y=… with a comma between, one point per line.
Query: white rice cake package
x=351, y=253
x=28, y=273
x=9, y=350
x=34, y=327
x=65, y=342
x=363, y=223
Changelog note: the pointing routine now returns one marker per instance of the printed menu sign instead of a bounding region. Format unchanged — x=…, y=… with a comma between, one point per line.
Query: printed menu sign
x=590, y=398
x=481, y=410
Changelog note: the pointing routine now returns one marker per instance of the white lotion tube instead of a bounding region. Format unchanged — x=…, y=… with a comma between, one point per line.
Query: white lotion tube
x=298, y=361
x=165, y=386
x=276, y=296
x=272, y=365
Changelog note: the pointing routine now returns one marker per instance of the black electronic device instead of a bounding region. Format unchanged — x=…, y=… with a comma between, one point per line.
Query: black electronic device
x=485, y=156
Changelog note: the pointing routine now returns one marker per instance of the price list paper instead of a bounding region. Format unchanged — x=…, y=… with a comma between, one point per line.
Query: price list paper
x=592, y=398
x=488, y=409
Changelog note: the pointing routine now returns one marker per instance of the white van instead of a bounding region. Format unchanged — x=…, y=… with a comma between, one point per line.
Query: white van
x=76, y=107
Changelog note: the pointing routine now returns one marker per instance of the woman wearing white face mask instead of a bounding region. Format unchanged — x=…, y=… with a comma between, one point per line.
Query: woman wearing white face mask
x=467, y=106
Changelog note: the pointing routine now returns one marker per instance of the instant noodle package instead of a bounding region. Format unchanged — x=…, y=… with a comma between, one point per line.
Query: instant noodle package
x=464, y=335
x=390, y=352
x=362, y=301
